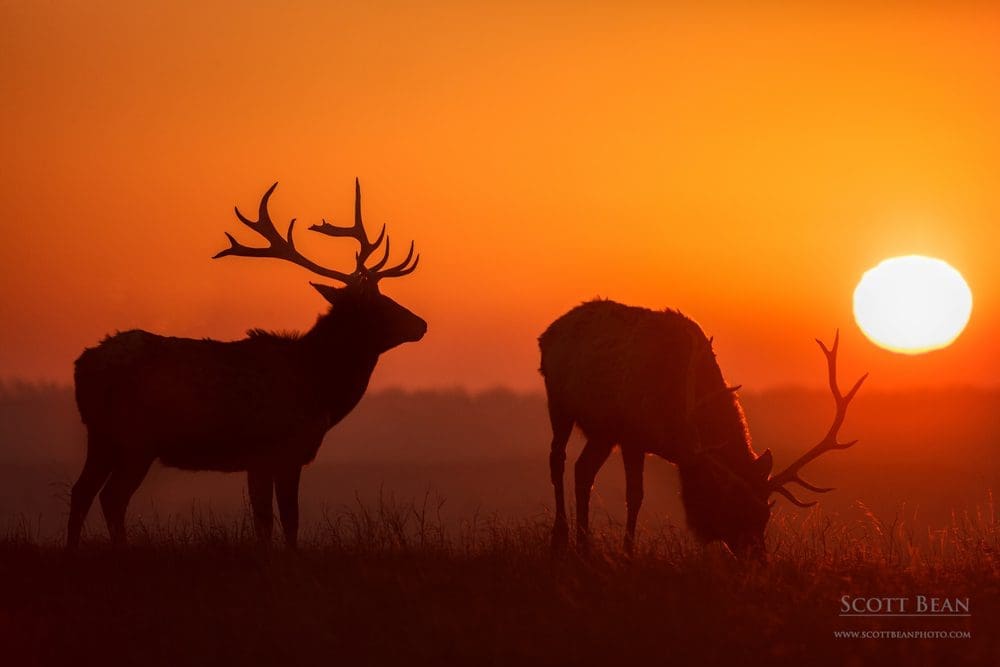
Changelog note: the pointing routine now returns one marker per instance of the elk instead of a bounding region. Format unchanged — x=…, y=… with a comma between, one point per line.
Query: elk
x=648, y=381
x=261, y=404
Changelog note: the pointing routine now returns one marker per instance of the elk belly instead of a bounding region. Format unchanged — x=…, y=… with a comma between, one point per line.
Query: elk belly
x=200, y=455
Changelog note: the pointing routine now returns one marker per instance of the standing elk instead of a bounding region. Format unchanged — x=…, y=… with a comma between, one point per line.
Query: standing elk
x=261, y=404
x=649, y=382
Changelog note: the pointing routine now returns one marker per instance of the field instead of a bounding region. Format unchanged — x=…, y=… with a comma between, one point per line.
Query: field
x=426, y=542
x=392, y=584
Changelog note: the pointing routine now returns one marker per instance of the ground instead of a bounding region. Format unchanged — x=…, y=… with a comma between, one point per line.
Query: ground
x=392, y=585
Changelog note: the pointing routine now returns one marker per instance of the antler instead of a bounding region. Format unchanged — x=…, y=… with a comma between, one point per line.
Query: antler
x=283, y=247
x=279, y=247
x=829, y=442
x=357, y=232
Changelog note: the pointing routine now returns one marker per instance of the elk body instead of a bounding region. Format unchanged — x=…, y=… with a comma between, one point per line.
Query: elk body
x=261, y=404
x=648, y=381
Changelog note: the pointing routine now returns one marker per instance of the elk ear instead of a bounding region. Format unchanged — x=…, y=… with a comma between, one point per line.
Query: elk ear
x=763, y=464
x=329, y=293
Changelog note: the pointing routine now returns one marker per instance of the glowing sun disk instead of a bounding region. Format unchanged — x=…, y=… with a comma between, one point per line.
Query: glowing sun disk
x=912, y=304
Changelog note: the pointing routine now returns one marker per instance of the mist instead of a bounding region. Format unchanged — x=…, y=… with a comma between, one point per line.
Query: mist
x=487, y=452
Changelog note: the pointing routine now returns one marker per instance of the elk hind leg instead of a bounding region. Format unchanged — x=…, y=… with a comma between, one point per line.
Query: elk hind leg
x=125, y=478
x=634, y=458
x=594, y=454
x=260, y=486
x=95, y=472
x=562, y=427
x=286, y=489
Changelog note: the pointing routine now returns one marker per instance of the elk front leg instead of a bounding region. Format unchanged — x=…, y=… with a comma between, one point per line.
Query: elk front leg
x=591, y=459
x=260, y=485
x=286, y=488
x=562, y=427
x=634, y=458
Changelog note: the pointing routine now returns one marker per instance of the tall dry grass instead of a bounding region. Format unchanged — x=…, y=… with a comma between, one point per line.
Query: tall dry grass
x=393, y=583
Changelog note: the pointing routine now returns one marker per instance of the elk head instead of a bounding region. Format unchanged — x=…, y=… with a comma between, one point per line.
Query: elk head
x=378, y=322
x=736, y=487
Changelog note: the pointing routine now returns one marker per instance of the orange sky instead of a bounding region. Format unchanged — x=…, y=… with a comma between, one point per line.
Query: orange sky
x=743, y=166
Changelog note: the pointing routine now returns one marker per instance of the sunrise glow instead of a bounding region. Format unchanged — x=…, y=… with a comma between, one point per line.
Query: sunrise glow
x=912, y=304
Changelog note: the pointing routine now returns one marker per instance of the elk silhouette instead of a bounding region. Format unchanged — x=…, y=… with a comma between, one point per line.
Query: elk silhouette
x=649, y=382
x=261, y=404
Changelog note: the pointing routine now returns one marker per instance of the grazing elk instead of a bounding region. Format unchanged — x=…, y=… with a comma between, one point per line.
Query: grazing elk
x=648, y=381
x=261, y=404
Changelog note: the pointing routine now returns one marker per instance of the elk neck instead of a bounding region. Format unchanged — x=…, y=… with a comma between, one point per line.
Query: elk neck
x=726, y=459
x=339, y=356
x=723, y=431
x=718, y=420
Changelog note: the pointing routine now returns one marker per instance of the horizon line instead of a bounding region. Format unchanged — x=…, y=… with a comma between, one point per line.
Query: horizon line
x=474, y=390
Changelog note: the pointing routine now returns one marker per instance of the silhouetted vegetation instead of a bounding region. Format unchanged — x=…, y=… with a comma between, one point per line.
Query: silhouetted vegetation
x=390, y=583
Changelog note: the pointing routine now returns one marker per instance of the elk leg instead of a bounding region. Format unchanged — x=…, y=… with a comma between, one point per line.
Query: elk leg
x=591, y=459
x=634, y=458
x=260, y=484
x=286, y=488
x=562, y=426
x=116, y=494
x=95, y=472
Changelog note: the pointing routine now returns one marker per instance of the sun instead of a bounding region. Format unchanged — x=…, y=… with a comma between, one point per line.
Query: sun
x=912, y=304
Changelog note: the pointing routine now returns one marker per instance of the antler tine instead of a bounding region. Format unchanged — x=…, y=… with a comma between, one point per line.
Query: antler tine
x=357, y=232
x=829, y=442
x=378, y=241
x=278, y=246
x=357, y=205
x=398, y=270
x=379, y=264
x=815, y=489
x=795, y=501
x=262, y=225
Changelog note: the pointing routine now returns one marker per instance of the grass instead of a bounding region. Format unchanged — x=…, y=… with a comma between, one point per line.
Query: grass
x=393, y=584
